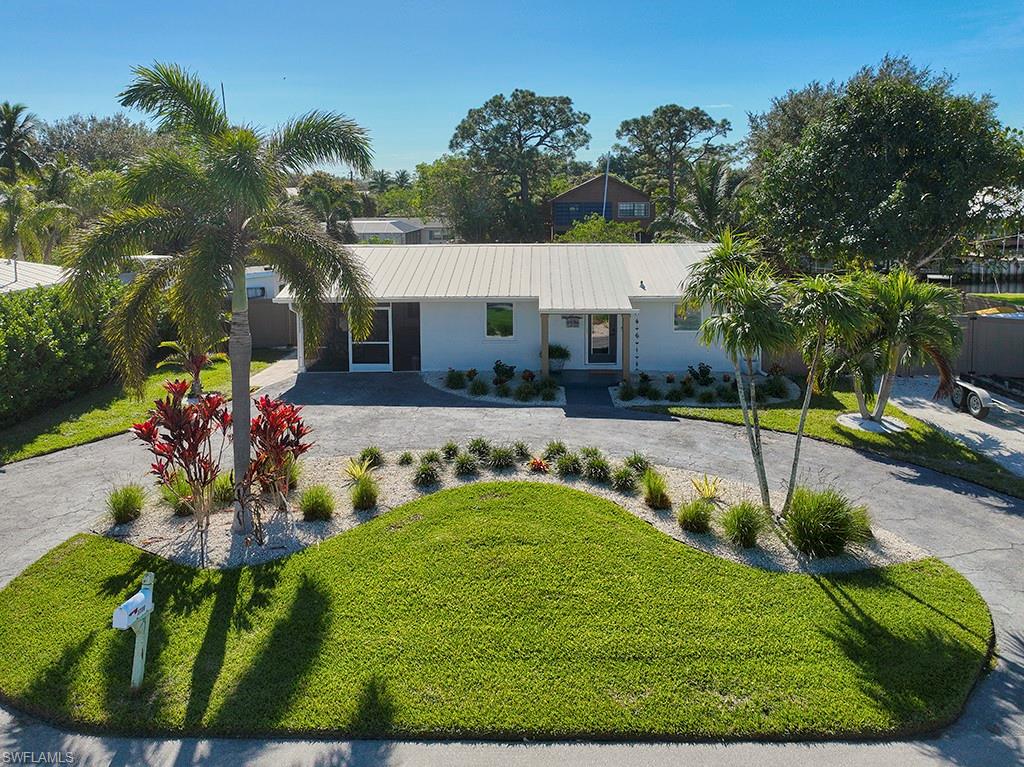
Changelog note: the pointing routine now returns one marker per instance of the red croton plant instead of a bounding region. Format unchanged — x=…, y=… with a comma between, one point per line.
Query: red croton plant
x=183, y=436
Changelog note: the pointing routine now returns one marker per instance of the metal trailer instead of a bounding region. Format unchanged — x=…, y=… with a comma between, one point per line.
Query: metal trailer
x=968, y=395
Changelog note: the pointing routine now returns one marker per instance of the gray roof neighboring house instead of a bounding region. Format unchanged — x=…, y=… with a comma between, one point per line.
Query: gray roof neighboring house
x=561, y=277
x=30, y=275
x=392, y=225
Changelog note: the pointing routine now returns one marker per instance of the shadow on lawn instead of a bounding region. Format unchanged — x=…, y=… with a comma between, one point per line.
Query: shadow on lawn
x=916, y=680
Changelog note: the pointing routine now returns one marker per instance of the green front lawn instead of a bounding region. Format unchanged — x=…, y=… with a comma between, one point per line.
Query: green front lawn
x=1010, y=298
x=920, y=444
x=104, y=412
x=499, y=610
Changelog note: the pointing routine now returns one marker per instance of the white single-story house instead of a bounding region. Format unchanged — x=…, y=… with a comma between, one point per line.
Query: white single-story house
x=18, y=275
x=614, y=307
x=401, y=230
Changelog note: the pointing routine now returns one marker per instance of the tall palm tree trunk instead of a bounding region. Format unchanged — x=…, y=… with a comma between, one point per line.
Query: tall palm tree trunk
x=862, y=404
x=812, y=373
x=240, y=354
x=755, y=419
x=762, y=479
x=885, y=387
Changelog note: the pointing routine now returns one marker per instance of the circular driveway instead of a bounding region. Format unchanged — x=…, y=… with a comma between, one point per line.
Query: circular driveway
x=977, y=531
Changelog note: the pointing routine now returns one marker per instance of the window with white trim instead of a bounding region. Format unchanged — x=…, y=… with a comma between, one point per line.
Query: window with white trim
x=687, y=318
x=634, y=209
x=500, y=320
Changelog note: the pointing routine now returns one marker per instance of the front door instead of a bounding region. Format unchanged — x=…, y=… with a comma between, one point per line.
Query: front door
x=374, y=352
x=602, y=339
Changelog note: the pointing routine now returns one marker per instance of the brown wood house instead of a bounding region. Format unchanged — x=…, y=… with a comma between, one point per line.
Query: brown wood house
x=625, y=203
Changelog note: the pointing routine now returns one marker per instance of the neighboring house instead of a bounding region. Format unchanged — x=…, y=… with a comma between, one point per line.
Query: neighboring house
x=625, y=203
x=615, y=307
x=22, y=275
x=401, y=231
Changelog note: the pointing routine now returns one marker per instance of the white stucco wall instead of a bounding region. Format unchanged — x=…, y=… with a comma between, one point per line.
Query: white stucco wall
x=452, y=335
x=662, y=347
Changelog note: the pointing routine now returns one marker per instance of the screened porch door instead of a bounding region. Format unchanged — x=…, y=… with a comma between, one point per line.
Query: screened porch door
x=374, y=352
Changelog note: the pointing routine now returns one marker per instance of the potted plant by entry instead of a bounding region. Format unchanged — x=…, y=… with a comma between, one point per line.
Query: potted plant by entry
x=557, y=356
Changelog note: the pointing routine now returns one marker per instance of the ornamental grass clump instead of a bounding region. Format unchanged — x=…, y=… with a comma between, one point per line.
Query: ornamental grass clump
x=743, y=523
x=479, y=447
x=655, y=488
x=125, y=502
x=316, y=503
x=479, y=387
x=522, y=450
x=638, y=462
x=706, y=487
x=502, y=458
x=177, y=493
x=694, y=515
x=465, y=465
x=224, y=489
x=427, y=475
x=432, y=456
x=554, y=449
x=373, y=455
x=624, y=480
x=568, y=465
x=455, y=379
x=597, y=469
x=450, y=450
x=821, y=523
x=364, y=492
x=406, y=459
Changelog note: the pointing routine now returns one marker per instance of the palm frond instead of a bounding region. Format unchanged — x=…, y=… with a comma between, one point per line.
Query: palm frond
x=321, y=137
x=177, y=98
x=239, y=170
x=163, y=175
x=197, y=295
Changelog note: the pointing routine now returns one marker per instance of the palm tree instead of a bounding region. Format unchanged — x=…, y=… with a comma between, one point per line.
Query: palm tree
x=819, y=306
x=214, y=202
x=402, y=179
x=915, y=322
x=17, y=142
x=28, y=225
x=380, y=181
x=747, y=318
x=711, y=204
x=192, y=360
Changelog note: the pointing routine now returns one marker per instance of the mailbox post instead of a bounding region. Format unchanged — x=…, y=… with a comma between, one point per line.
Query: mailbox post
x=134, y=613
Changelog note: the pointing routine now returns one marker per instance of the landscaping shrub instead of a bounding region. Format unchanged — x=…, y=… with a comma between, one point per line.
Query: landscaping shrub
x=479, y=447
x=427, y=474
x=706, y=487
x=706, y=397
x=502, y=389
x=364, y=492
x=450, y=450
x=405, y=459
x=522, y=450
x=528, y=375
x=502, y=458
x=624, y=480
x=471, y=374
x=539, y=466
x=670, y=378
x=479, y=387
x=637, y=462
x=597, y=469
x=644, y=377
x=356, y=470
x=568, y=465
x=125, y=502
x=372, y=455
x=431, y=456
x=728, y=392
x=627, y=391
x=465, y=465
x=591, y=452
x=503, y=371
x=47, y=353
x=675, y=394
x=686, y=387
x=549, y=395
x=224, y=489
x=743, y=523
x=317, y=503
x=695, y=515
x=775, y=387
x=293, y=470
x=526, y=391
x=455, y=379
x=175, y=492
x=655, y=488
x=649, y=391
x=554, y=449
x=822, y=523
x=701, y=374
x=548, y=384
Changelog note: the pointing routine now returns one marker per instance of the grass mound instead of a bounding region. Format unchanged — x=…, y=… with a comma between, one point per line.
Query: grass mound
x=495, y=610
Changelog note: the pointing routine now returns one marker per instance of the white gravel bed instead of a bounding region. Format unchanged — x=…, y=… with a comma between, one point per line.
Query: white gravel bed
x=659, y=381
x=436, y=379
x=158, y=531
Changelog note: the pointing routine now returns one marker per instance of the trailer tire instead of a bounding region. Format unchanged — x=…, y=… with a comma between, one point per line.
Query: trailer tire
x=957, y=396
x=976, y=407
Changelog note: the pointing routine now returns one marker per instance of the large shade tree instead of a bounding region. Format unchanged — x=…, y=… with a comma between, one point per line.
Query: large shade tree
x=18, y=148
x=212, y=203
x=669, y=141
x=897, y=170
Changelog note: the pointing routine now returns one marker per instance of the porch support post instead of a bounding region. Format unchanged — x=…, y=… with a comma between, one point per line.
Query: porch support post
x=625, y=346
x=300, y=339
x=545, y=363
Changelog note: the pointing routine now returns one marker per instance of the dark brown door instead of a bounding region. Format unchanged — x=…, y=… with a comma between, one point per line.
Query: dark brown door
x=405, y=321
x=602, y=338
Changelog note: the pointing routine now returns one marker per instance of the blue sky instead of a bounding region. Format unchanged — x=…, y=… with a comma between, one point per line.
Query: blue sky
x=410, y=71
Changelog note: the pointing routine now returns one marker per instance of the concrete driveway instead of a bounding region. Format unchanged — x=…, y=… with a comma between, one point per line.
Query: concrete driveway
x=977, y=531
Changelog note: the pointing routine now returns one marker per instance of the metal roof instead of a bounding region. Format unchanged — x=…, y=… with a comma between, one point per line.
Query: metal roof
x=30, y=275
x=561, y=277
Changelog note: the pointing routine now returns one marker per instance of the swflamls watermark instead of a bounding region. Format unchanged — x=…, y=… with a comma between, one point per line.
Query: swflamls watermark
x=36, y=757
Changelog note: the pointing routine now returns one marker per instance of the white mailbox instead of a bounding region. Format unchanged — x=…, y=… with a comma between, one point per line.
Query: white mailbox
x=134, y=614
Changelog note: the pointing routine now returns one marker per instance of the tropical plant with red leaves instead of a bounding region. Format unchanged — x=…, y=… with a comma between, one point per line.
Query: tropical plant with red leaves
x=539, y=465
x=182, y=435
x=278, y=434
x=192, y=360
